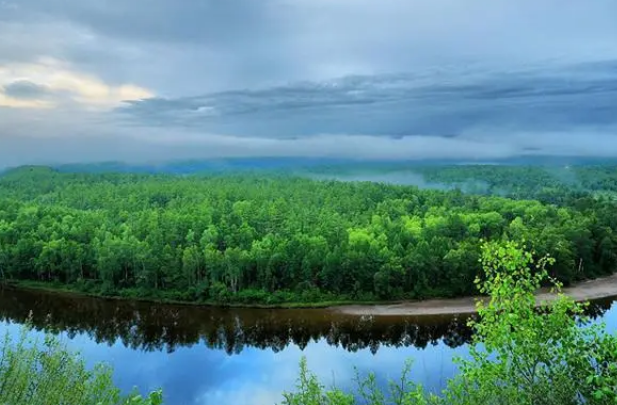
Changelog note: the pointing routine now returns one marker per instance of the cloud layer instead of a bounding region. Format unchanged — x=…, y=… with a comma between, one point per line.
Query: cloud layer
x=154, y=80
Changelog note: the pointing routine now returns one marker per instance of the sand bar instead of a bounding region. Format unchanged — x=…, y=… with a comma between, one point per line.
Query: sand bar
x=605, y=287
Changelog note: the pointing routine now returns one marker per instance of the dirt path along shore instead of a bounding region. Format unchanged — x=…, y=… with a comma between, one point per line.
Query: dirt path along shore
x=605, y=287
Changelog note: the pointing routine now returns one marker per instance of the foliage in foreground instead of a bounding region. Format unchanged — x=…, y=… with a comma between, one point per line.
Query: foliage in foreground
x=520, y=355
x=35, y=372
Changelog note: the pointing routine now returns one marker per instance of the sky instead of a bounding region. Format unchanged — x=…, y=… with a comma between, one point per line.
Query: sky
x=159, y=80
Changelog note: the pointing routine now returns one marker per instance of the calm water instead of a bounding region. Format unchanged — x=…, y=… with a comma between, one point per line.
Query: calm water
x=242, y=356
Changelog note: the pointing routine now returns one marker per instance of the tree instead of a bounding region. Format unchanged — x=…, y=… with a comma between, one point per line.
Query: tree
x=525, y=356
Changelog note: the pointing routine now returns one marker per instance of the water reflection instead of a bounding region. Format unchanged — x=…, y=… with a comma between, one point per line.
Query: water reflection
x=152, y=327
x=229, y=356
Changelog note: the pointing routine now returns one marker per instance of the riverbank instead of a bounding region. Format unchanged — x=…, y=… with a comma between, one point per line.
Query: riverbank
x=64, y=289
x=589, y=290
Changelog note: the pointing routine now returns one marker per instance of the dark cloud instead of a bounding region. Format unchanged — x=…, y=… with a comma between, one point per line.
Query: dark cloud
x=399, y=105
x=24, y=89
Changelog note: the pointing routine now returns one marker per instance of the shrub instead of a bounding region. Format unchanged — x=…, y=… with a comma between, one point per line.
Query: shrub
x=45, y=372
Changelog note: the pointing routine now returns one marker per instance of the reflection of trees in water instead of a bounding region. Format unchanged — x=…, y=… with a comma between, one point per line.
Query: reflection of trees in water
x=598, y=308
x=153, y=327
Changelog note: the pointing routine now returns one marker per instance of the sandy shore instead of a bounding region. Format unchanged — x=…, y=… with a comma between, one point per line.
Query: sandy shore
x=588, y=290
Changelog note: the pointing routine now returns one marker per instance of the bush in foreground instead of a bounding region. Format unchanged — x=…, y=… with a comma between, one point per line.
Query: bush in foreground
x=521, y=355
x=45, y=372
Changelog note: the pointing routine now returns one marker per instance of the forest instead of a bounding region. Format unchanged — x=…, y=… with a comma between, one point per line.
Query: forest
x=281, y=239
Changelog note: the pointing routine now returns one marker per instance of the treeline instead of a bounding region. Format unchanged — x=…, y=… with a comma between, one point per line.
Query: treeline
x=278, y=239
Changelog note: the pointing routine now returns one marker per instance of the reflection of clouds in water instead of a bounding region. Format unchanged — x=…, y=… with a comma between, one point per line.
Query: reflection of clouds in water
x=259, y=377
x=252, y=394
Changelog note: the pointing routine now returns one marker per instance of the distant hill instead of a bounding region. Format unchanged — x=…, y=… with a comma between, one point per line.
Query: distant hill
x=32, y=170
x=296, y=164
x=197, y=166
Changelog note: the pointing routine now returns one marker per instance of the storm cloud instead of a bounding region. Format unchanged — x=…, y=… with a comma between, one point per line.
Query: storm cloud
x=156, y=80
x=401, y=105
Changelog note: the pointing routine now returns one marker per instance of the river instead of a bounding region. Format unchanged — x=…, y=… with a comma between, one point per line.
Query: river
x=243, y=356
